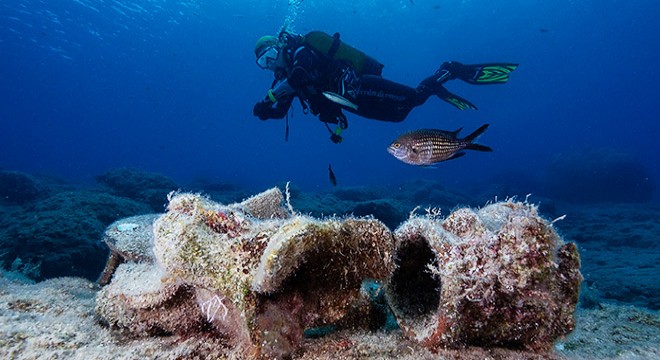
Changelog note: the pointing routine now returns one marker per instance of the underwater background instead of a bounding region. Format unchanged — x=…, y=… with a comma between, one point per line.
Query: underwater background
x=107, y=106
x=168, y=87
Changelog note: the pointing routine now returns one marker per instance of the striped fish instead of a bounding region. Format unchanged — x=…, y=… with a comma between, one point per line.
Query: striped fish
x=430, y=146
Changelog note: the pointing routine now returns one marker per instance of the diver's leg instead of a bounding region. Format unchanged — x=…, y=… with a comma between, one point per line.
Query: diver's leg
x=432, y=85
x=381, y=99
x=478, y=74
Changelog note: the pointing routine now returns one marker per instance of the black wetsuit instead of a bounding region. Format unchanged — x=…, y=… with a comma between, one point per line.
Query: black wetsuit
x=308, y=74
x=381, y=99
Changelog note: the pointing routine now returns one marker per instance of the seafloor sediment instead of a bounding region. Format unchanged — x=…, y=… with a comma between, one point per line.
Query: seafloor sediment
x=55, y=319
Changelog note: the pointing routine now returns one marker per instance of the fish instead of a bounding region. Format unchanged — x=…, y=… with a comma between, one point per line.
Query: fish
x=333, y=178
x=338, y=99
x=430, y=146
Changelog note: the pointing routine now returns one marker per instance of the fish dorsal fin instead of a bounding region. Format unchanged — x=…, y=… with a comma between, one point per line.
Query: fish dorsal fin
x=455, y=133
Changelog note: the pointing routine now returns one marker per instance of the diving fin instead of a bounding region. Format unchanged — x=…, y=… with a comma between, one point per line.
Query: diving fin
x=486, y=74
x=454, y=99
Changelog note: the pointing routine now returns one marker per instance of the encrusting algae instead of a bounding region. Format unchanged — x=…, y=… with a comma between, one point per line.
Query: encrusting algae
x=500, y=276
x=258, y=280
x=259, y=275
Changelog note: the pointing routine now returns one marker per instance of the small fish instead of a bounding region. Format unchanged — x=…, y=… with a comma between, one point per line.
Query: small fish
x=338, y=99
x=333, y=179
x=430, y=146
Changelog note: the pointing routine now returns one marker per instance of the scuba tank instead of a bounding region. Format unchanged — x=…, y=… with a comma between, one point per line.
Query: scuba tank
x=339, y=52
x=334, y=48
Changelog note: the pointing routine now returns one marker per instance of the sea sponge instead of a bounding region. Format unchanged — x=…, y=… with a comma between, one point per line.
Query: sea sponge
x=499, y=276
x=255, y=273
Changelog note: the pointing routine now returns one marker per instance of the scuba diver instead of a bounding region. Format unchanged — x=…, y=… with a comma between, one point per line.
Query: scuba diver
x=328, y=76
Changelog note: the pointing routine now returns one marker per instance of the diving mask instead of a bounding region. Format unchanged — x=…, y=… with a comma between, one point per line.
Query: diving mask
x=268, y=57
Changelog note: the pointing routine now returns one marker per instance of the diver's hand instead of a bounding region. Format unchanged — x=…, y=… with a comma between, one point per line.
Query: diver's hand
x=263, y=109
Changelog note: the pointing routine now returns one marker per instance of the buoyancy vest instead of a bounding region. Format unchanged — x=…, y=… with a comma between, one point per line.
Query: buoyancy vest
x=338, y=50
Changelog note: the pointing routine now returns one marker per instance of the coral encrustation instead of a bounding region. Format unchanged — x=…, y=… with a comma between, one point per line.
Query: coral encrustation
x=499, y=276
x=259, y=275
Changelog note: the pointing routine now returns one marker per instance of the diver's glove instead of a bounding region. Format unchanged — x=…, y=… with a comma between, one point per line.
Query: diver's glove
x=336, y=138
x=263, y=109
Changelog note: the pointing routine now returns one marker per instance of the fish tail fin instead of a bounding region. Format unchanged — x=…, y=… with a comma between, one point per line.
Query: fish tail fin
x=479, y=147
x=472, y=137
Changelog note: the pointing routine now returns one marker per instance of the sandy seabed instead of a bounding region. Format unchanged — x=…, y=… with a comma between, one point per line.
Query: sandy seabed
x=55, y=319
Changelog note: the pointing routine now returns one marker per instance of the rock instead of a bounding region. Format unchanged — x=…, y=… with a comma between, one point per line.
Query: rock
x=18, y=188
x=386, y=210
x=139, y=185
x=61, y=233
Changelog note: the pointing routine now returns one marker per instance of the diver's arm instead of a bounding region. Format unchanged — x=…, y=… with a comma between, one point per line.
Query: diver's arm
x=278, y=99
x=276, y=103
x=305, y=69
x=280, y=91
x=267, y=109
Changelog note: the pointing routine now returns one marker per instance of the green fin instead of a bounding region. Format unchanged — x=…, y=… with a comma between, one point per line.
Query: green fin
x=455, y=100
x=490, y=73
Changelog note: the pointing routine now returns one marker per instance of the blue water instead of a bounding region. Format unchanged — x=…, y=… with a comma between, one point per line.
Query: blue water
x=168, y=87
